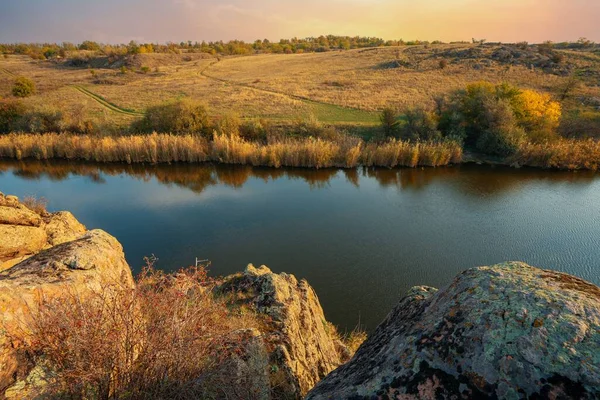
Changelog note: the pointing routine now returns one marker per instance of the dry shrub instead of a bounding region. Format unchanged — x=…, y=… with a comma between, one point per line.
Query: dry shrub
x=35, y=204
x=167, y=338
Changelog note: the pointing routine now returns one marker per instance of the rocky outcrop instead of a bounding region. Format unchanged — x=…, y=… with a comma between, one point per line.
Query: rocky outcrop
x=509, y=331
x=24, y=232
x=78, y=262
x=301, y=345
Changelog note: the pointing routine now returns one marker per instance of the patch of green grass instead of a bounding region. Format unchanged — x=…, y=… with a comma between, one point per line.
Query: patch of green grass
x=330, y=113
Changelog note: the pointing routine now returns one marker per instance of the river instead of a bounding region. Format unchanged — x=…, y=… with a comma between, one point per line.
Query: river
x=361, y=237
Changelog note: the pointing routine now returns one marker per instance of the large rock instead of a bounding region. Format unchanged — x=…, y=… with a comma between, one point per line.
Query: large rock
x=24, y=232
x=302, y=349
x=93, y=262
x=509, y=331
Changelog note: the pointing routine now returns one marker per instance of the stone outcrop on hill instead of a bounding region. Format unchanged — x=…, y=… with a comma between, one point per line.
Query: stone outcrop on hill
x=302, y=347
x=509, y=331
x=24, y=232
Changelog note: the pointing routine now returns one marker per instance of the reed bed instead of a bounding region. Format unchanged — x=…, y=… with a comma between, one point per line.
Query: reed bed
x=570, y=154
x=307, y=152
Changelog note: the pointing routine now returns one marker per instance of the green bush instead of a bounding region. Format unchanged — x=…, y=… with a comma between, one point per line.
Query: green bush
x=184, y=116
x=23, y=87
x=389, y=121
x=256, y=130
x=11, y=111
x=496, y=119
x=419, y=124
x=42, y=120
x=502, y=136
x=229, y=125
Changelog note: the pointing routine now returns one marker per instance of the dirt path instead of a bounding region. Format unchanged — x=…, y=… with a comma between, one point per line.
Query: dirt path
x=324, y=106
x=106, y=103
x=8, y=72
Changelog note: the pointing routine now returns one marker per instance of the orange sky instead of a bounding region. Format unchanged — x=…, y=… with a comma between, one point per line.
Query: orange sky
x=176, y=20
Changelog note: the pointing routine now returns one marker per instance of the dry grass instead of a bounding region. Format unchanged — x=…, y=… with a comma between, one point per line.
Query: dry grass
x=36, y=204
x=346, y=152
x=564, y=154
x=167, y=338
x=276, y=86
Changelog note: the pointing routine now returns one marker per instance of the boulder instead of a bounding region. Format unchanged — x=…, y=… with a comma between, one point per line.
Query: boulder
x=509, y=331
x=301, y=346
x=24, y=232
x=95, y=261
x=63, y=227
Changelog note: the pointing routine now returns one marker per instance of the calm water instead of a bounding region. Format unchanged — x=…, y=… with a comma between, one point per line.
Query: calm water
x=360, y=237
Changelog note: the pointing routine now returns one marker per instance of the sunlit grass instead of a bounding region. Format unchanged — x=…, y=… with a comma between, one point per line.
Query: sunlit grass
x=346, y=152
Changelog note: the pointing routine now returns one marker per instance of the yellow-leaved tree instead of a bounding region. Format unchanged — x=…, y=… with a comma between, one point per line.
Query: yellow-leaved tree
x=536, y=112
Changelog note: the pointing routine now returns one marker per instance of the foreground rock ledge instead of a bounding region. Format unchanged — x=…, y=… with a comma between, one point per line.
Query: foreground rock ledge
x=24, y=232
x=301, y=347
x=509, y=331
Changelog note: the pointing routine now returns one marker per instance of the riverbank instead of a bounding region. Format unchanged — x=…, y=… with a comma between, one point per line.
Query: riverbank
x=306, y=152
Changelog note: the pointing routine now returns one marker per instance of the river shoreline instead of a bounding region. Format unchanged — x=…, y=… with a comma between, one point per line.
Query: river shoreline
x=308, y=152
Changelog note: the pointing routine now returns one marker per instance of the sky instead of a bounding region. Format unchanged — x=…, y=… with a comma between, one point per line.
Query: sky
x=119, y=21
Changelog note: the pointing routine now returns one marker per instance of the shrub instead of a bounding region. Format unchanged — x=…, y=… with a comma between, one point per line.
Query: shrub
x=497, y=118
x=443, y=64
x=45, y=119
x=229, y=125
x=502, y=135
x=557, y=58
x=389, y=121
x=536, y=111
x=256, y=130
x=23, y=87
x=11, y=112
x=166, y=338
x=419, y=124
x=180, y=117
x=35, y=204
x=145, y=69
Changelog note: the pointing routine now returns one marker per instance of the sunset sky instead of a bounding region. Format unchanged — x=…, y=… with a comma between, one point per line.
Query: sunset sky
x=119, y=21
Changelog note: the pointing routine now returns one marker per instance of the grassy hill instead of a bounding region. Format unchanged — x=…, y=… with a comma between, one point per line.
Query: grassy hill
x=338, y=87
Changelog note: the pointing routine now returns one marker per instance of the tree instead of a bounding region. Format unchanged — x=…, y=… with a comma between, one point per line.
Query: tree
x=23, y=87
x=502, y=136
x=536, y=111
x=389, y=121
x=420, y=125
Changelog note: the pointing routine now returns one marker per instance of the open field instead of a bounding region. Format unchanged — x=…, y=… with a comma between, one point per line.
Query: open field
x=337, y=87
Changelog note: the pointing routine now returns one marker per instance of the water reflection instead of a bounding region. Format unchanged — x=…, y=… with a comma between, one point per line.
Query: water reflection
x=482, y=180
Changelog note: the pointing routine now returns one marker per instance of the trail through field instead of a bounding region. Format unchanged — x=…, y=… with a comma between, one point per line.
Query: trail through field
x=326, y=112
x=8, y=72
x=106, y=103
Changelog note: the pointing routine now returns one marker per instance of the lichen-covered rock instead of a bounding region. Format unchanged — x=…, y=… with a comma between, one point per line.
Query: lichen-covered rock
x=63, y=227
x=244, y=374
x=301, y=348
x=24, y=232
x=95, y=261
x=509, y=331
x=18, y=242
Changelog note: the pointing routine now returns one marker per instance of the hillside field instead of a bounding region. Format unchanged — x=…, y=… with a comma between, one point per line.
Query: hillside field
x=344, y=88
